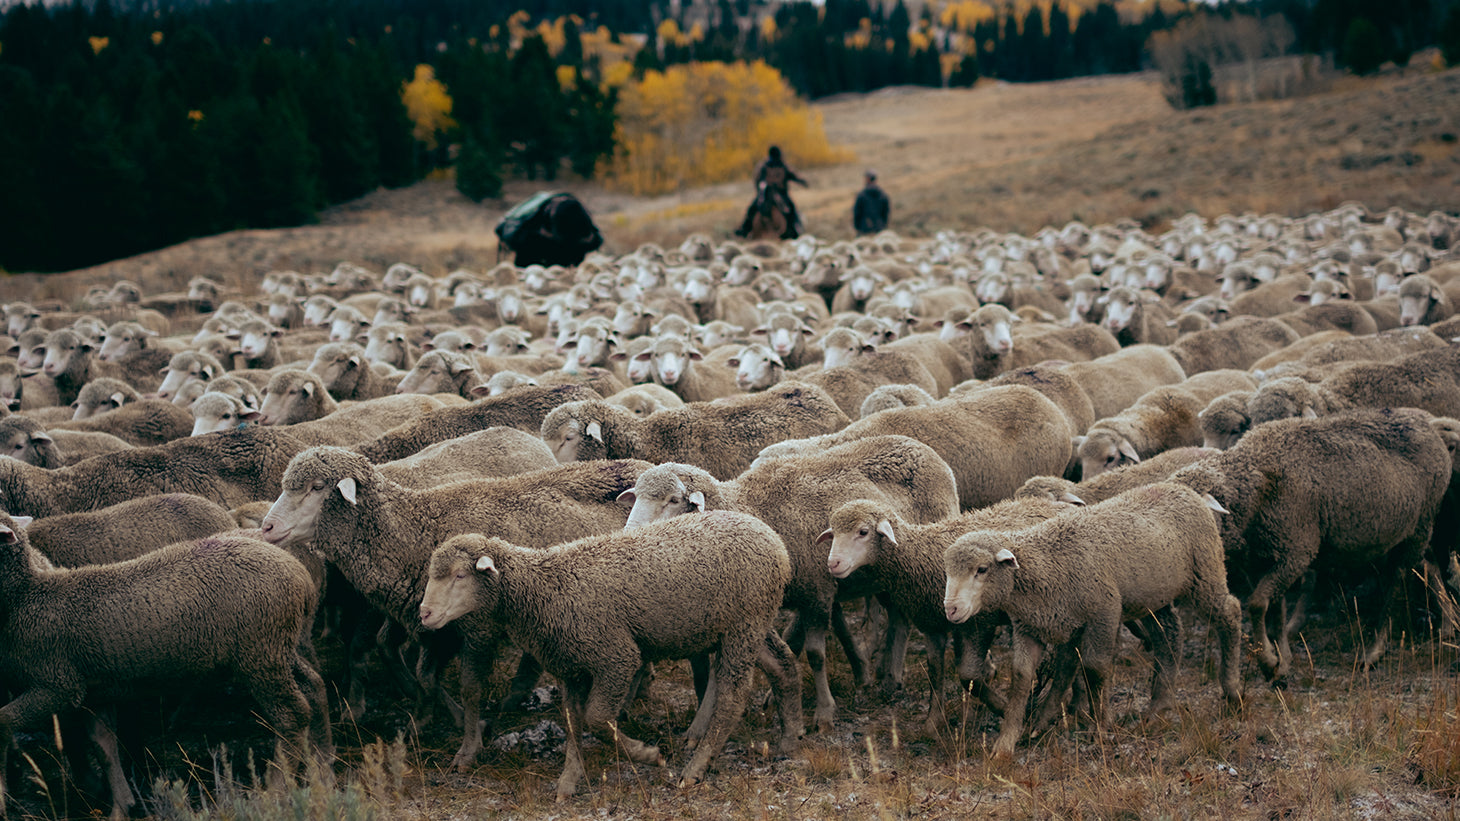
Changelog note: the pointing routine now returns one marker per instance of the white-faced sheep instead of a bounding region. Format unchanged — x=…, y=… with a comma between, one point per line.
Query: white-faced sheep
x=295, y=396
x=992, y=345
x=679, y=366
x=1164, y=418
x=795, y=496
x=1135, y=319
x=595, y=610
x=1113, y=482
x=101, y=396
x=993, y=439
x=1292, y=500
x=1422, y=302
x=380, y=535
x=721, y=437
x=1080, y=575
x=345, y=371
x=905, y=561
x=185, y=366
x=645, y=399
x=523, y=408
x=179, y=614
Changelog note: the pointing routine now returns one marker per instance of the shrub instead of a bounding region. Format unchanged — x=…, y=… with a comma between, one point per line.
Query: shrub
x=1363, y=47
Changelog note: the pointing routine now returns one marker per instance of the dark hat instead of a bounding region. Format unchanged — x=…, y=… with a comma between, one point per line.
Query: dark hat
x=871, y=175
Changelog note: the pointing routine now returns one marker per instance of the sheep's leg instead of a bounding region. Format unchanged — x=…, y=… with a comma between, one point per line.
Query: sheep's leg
x=575, y=694
x=1386, y=609
x=1064, y=664
x=1027, y=650
x=937, y=653
x=1097, y=649
x=779, y=665
x=699, y=665
x=309, y=681
x=706, y=708
x=286, y=710
x=106, y=740
x=1161, y=632
x=28, y=710
x=891, y=669
x=1436, y=582
x=600, y=715
x=856, y=659
x=816, y=659
x=731, y=680
x=1297, y=552
x=528, y=672
x=1223, y=611
x=975, y=670
x=476, y=667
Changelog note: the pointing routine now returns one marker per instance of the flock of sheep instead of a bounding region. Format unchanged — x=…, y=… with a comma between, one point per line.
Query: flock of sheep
x=651, y=457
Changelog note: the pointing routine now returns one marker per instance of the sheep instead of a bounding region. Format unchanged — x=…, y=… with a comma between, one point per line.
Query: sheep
x=1286, y=397
x=993, y=439
x=228, y=468
x=258, y=345
x=1422, y=302
x=390, y=344
x=1164, y=418
x=1128, y=315
x=905, y=559
x=142, y=423
x=1290, y=490
x=1113, y=482
x=31, y=349
x=441, y=372
x=1268, y=299
x=102, y=395
x=721, y=437
x=794, y=496
x=126, y=530
x=215, y=411
x=1385, y=345
x=842, y=348
x=131, y=347
x=347, y=324
x=523, y=408
x=1224, y=420
x=787, y=336
x=757, y=367
x=345, y=372
x=295, y=396
x=1050, y=379
x=380, y=535
x=674, y=363
x=887, y=397
x=645, y=399
x=595, y=610
x=720, y=303
x=482, y=455
x=1080, y=575
x=1330, y=316
x=67, y=363
x=1236, y=343
x=185, y=366
x=182, y=613
x=1429, y=380
x=1115, y=381
x=947, y=363
x=994, y=348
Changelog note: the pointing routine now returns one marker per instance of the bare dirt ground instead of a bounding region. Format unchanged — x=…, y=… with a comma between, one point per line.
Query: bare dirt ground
x=1013, y=157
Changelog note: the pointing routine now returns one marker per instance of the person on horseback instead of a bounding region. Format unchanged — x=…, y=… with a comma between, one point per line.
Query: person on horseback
x=776, y=177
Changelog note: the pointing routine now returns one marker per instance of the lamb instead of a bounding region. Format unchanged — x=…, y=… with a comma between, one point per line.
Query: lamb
x=101, y=396
x=242, y=604
x=645, y=399
x=1289, y=486
x=143, y=423
x=523, y=408
x=1236, y=344
x=295, y=396
x=1078, y=576
x=1129, y=315
x=215, y=411
x=994, y=348
x=485, y=454
x=595, y=610
x=993, y=439
x=721, y=437
x=345, y=371
x=674, y=368
x=441, y=372
x=794, y=496
x=380, y=535
x=1224, y=420
x=905, y=559
x=1116, y=381
x=391, y=345
x=888, y=397
x=185, y=366
x=1113, y=482
x=229, y=468
x=126, y=530
x=1422, y=302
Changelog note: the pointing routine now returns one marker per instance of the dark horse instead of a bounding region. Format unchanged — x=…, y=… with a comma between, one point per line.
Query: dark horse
x=770, y=215
x=560, y=232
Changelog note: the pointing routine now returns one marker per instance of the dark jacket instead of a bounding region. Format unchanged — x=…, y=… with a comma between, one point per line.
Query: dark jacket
x=869, y=214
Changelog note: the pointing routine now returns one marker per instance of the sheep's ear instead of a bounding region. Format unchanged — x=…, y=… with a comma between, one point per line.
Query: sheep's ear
x=760, y=331
x=618, y=356
x=1211, y=502
x=208, y=371
x=826, y=536
x=458, y=367
x=1128, y=451
x=41, y=437
x=1077, y=442
x=347, y=489
x=1309, y=413
x=118, y=398
x=1302, y=297
x=594, y=431
x=1006, y=556
x=695, y=355
x=308, y=388
x=249, y=415
x=628, y=497
x=1070, y=498
x=486, y=565
x=697, y=501
x=885, y=528
x=22, y=522
x=8, y=536
x=354, y=361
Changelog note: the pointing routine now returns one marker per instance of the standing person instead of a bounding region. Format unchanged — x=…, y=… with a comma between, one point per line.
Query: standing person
x=776, y=176
x=869, y=214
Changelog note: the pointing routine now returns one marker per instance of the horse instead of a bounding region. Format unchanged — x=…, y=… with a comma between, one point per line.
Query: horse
x=770, y=216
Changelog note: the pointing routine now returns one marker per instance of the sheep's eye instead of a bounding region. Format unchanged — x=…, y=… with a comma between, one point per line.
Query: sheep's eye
x=460, y=575
x=318, y=484
x=982, y=570
x=674, y=500
x=863, y=532
x=569, y=437
x=1109, y=459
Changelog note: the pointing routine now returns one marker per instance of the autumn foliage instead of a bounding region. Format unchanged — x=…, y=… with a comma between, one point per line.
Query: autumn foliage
x=702, y=123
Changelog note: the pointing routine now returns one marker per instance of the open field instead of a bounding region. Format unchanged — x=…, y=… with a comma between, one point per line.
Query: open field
x=1338, y=742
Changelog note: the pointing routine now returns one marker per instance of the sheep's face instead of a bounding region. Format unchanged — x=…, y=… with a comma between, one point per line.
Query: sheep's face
x=1223, y=422
x=290, y=399
x=256, y=339
x=345, y=325
x=591, y=347
x=1417, y=295
x=661, y=494
x=11, y=389
x=840, y=348
x=992, y=288
x=32, y=350
x=717, y=333
x=421, y=292
x=1236, y=279
x=453, y=582
x=980, y=568
x=640, y=367
x=511, y=304
x=698, y=287
x=565, y=432
x=436, y=372
x=855, y=541
x=214, y=412
x=756, y=368
x=89, y=403
x=632, y=319
x=1282, y=399
x=388, y=347
x=861, y=283
x=743, y=269
x=672, y=361
x=62, y=349
x=121, y=339
x=504, y=381
x=390, y=310
x=317, y=310
x=30, y=447
x=1101, y=451
x=1118, y=313
x=784, y=333
x=506, y=342
x=335, y=365
x=19, y=317
x=996, y=328
x=1053, y=488
x=636, y=403
x=310, y=483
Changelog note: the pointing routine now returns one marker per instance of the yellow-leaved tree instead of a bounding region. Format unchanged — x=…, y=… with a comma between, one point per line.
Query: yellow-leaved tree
x=428, y=105
x=703, y=123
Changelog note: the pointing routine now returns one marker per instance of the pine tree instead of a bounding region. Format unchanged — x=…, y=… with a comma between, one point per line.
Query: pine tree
x=1363, y=47
x=477, y=170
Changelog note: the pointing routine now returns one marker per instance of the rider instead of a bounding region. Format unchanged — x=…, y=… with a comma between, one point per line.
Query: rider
x=776, y=176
